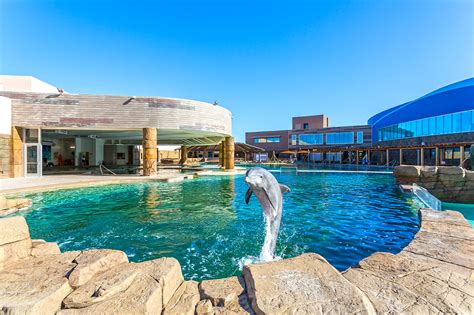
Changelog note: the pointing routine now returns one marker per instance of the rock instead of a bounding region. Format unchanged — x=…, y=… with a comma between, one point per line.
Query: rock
x=37, y=242
x=49, y=248
x=306, y=284
x=129, y=287
x=13, y=229
x=184, y=300
x=14, y=251
x=95, y=261
x=36, y=285
x=393, y=282
x=444, y=217
x=204, y=307
x=226, y=294
x=406, y=171
x=9, y=206
x=444, y=248
x=450, y=170
x=222, y=291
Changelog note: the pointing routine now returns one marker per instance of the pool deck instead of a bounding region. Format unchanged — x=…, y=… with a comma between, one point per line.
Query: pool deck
x=54, y=182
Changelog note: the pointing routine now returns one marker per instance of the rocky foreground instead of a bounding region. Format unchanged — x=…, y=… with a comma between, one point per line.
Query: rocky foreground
x=433, y=274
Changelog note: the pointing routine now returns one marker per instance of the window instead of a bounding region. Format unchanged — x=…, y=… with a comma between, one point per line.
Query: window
x=360, y=137
x=340, y=138
x=305, y=126
x=293, y=140
x=308, y=139
x=437, y=125
x=266, y=139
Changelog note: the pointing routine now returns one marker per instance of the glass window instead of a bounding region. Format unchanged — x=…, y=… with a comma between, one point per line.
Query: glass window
x=305, y=126
x=419, y=128
x=465, y=121
x=308, y=139
x=432, y=126
x=448, y=123
x=360, y=137
x=266, y=139
x=457, y=122
x=440, y=125
x=426, y=127
x=340, y=138
x=293, y=140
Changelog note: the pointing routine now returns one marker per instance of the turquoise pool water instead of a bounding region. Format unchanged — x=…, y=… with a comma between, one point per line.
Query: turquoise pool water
x=207, y=226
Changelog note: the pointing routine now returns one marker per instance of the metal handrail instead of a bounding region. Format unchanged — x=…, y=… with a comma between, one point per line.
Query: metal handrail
x=101, y=165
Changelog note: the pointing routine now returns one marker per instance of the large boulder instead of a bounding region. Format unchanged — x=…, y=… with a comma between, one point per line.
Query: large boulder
x=403, y=283
x=46, y=248
x=13, y=229
x=36, y=285
x=306, y=284
x=407, y=171
x=9, y=206
x=14, y=251
x=226, y=294
x=184, y=300
x=95, y=261
x=128, y=288
x=450, y=170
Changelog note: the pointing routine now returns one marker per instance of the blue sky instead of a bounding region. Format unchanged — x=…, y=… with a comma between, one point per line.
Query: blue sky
x=266, y=61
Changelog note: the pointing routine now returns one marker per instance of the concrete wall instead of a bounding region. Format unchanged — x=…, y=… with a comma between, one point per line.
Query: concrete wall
x=25, y=84
x=314, y=122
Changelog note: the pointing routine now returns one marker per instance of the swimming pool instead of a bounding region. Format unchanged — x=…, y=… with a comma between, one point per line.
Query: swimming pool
x=207, y=226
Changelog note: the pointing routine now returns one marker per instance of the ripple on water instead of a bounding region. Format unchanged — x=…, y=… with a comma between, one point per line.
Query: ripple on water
x=207, y=226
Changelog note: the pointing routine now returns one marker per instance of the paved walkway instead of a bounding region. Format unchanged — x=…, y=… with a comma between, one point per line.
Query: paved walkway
x=49, y=182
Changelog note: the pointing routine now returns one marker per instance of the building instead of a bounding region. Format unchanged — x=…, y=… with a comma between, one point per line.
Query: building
x=42, y=126
x=435, y=129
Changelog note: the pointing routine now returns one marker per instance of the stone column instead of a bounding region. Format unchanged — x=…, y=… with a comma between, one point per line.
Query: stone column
x=184, y=154
x=150, y=151
x=221, y=153
x=229, y=151
x=387, y=152
x=16, y=155
x=461, y=154
x=422, y=156
x=401, y=156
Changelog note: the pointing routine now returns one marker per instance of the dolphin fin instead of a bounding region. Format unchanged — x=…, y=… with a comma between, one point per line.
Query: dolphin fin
x=248, y=194
x=284, y=188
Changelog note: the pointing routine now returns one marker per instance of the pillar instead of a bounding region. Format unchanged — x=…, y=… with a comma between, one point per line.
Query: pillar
x=387, y=152
x=340, y=157
x=461, y=153
x=221, y=153
x=436, y=156
x=369, y=157
x=401, y=156
x=150, y=152
x=16, y=155
x=184, y=154
x=422, y=156
x=229, y=152
x=357, y=157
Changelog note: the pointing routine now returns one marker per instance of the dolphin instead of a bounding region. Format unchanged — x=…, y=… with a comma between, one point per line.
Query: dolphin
x=269, y=193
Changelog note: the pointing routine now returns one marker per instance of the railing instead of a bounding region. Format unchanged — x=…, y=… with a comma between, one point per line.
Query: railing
x=102, y=166
x=426, y=197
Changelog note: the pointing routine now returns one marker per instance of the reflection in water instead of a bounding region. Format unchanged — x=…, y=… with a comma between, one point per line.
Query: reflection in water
x=207, y=226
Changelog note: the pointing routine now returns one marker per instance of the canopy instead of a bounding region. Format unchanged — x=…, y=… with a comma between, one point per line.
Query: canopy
x=303, y=151
x=288, y=152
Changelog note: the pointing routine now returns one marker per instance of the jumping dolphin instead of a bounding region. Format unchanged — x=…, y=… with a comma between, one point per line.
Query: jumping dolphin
x=269, y=193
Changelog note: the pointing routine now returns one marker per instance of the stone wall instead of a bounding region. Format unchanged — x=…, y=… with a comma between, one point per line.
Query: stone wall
x=5, y=151
x=433, y=274
x=447, y=183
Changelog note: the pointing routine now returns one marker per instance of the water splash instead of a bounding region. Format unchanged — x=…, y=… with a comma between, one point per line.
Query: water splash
x=272, y=226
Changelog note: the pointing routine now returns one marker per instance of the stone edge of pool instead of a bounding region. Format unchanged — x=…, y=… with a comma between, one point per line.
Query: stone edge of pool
x=434, y=273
